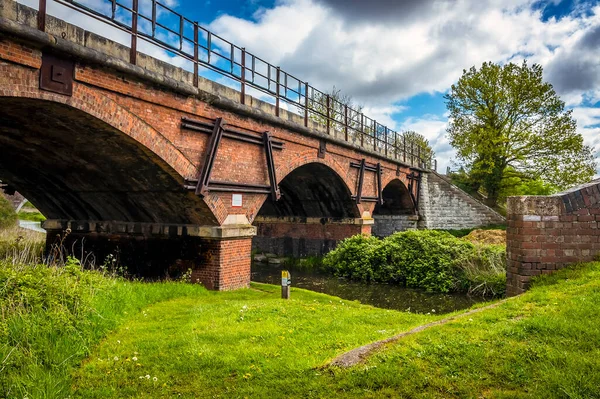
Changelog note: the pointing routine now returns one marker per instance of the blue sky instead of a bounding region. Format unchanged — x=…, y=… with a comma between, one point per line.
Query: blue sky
x=398, y=58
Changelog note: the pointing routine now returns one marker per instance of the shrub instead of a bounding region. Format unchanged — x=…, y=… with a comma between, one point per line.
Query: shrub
x=428, y=259
x=8, y=216
x=358, y=258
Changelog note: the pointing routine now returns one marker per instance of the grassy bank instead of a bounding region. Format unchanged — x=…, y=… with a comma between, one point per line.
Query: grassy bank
x=544, y=344
x=190, y=340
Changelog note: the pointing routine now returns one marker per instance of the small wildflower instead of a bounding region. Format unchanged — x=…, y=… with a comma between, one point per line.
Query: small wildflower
x=116, y=358
x=118, y=342
x=154, y=379
x=147, y=376
x=134, y=359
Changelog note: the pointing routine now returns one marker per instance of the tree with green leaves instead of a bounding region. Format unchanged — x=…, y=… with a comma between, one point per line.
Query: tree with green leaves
x=419, y=146
x=506, y=122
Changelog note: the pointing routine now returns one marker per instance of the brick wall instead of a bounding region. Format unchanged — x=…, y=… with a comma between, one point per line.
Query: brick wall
x=226, y=264
x=445, y=206
x=546, y=233
x=298, y=240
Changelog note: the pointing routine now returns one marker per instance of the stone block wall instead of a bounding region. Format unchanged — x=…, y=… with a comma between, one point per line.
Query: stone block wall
x=386, y=225
x=442, y=205
x=546, y=233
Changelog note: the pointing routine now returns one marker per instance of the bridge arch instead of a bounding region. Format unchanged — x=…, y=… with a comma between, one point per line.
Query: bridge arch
x=85, y=157
x=316, y=188
x=398, y=211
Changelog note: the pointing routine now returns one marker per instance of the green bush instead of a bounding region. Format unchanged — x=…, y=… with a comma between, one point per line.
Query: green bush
x=8, y=216
x=358, y=258
x=428, y=259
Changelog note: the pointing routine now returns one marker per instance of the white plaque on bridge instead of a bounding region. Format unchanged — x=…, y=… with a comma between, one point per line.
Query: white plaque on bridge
x=236, y=200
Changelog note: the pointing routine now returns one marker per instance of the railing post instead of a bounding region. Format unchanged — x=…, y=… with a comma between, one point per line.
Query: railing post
x=404, y=147
x=180, y=32
x=195, y=54
x=395, y=145
x=419, y=160
x=114, y=11
x=328, y=114
x=385, y=136
x=134, y=29
x=305, y=104
x=243, y=77
x=277, y=95
x=41, y=21
x=346, y=121
x=154, y=19
x=362, y=130
x=375, y=135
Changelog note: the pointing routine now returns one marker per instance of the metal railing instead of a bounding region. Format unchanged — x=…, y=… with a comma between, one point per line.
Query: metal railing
x=163, y=27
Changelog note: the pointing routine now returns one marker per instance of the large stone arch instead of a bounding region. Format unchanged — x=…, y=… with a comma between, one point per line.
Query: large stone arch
x=84, y=157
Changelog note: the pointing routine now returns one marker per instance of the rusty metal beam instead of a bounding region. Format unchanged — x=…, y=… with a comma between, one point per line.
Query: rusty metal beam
x=361, y=178
x=209, y=158
x=379, y=188
x=275, y=193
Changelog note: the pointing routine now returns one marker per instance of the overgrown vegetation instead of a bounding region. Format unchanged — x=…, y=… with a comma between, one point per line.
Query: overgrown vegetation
x=465, y=232
x=8, y=216
x=431, y=260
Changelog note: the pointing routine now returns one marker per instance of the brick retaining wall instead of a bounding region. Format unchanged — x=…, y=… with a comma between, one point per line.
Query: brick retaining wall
x=546, y=233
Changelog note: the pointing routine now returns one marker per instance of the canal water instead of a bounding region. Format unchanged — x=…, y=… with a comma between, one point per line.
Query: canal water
x=379, y=295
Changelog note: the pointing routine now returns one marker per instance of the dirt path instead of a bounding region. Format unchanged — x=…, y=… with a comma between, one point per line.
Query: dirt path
x=360, y=354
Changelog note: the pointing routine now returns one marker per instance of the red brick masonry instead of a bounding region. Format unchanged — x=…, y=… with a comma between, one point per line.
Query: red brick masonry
x=546, y=233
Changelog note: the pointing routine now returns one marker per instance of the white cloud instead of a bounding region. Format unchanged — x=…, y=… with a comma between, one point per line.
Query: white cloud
x=392, y=50
x=385, y=56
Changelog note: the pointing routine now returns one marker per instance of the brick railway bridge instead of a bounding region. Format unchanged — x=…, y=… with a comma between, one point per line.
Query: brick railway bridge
x=127, y=154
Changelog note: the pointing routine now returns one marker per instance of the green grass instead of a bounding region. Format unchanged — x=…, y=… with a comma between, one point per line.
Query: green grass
x=34, y=216
x=65, y=332
x=545, y=344
x=191, y=339
x=8, y=216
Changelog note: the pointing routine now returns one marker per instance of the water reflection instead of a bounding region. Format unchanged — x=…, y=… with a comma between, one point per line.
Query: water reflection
x=379, y=295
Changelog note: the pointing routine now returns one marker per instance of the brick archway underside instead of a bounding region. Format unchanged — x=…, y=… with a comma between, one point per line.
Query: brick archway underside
x=312, y=190
x=396, y=200
x=72, y=165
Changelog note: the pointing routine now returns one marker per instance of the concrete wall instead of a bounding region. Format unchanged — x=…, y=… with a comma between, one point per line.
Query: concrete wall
x=445, y=206
x=546, y=233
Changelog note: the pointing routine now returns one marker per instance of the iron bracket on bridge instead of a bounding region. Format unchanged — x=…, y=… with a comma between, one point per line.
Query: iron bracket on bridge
x=218, y=130
x=412, y=179
x=362, y=167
